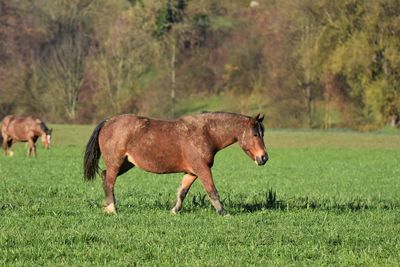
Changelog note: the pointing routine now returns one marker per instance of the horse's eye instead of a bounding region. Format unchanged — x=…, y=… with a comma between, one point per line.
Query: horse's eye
x=256, y=134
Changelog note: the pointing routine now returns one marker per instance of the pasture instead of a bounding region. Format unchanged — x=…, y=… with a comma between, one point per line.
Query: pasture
x=324, y=198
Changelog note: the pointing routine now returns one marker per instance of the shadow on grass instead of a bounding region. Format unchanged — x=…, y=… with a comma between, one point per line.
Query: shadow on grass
x=240, y=203
x=269, y=201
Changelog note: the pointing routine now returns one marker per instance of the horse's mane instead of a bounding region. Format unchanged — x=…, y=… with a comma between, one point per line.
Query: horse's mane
x=259, y=125
x=43, y=126
x=260, y=128
x=222, y=113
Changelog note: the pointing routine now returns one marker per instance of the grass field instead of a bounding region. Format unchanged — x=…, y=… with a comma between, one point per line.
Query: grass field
x=324, y=198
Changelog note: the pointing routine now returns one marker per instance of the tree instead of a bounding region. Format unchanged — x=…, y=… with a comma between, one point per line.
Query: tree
x=366, y=53
x=126, y=53
x=20, y=40
x=166, y=27
x=64, y=55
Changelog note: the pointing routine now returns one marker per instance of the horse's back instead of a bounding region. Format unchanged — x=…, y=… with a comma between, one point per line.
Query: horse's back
x=18, y=127
x=139, y=128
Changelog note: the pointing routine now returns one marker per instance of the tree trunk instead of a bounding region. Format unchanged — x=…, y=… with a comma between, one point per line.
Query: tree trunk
x=173, y=77
x=309, y=106
x=394, y=121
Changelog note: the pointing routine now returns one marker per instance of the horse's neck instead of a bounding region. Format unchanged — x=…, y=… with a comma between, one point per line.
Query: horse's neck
x=225, y=133
x=38, y=130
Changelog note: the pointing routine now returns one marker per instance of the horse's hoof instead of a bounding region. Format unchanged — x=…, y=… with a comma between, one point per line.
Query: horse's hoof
x=110, y=209
x=174, y=211
x=223, y=213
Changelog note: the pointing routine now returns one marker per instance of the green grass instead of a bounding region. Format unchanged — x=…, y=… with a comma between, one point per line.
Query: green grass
x=324, y=198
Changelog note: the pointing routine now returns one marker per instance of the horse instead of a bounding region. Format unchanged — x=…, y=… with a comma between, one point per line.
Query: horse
x=24, y=129
x=186, y=145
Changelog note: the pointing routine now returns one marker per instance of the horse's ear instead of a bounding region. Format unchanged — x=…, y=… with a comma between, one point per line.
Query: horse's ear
x=259, y=117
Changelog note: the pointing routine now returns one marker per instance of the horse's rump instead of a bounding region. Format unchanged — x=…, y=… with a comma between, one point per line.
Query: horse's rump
x=5, y=122
x=9, y=141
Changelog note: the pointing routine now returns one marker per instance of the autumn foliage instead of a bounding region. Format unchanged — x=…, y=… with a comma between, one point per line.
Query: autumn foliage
x=302, y=63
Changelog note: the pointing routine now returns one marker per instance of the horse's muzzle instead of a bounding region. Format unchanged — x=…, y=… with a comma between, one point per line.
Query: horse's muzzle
x=262, y=160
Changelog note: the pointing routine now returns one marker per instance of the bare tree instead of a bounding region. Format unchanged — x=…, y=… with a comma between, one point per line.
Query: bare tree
x=126, y=53
x=65, y=54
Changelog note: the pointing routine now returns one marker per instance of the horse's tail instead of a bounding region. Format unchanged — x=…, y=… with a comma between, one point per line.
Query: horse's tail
x=92, y=154
x=9, y=142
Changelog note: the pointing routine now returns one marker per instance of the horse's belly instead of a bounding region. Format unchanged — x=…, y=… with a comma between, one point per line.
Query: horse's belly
x=17, y=137
x=17, y=132
x=160, y=163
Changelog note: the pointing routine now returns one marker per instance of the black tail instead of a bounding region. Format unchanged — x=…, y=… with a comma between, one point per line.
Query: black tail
x=92, y=154
x=9, y=142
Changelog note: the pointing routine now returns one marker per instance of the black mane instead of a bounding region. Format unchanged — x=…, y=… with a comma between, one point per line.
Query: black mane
x=44, y=128
x=260, y=129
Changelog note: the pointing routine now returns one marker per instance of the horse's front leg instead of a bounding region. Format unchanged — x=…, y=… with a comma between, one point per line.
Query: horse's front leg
x=31, y=148
x=206, y=179
x=187, y=182
x=34, y=150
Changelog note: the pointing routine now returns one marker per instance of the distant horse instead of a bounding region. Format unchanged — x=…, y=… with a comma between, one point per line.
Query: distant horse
x=186, y=145
x=24, y=129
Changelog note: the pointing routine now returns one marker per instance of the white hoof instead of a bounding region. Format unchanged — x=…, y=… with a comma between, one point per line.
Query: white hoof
x=174, y=211
x=110, y=209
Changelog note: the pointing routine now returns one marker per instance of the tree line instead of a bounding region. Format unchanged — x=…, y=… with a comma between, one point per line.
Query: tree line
x=303, y=63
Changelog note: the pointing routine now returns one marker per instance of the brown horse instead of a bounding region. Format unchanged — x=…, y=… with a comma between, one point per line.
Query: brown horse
x=24, y=129
x=186, y=145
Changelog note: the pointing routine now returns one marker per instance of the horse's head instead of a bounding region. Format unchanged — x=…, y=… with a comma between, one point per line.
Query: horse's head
x=46, y=138
x=252, y=140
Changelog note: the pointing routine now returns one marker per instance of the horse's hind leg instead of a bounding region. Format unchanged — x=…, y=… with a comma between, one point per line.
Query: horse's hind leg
x=187, y=182
x=126, y=166
x=10, y=151
x=5, y=144
x=109, y=178
x=115, y=166
x=9, y=145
